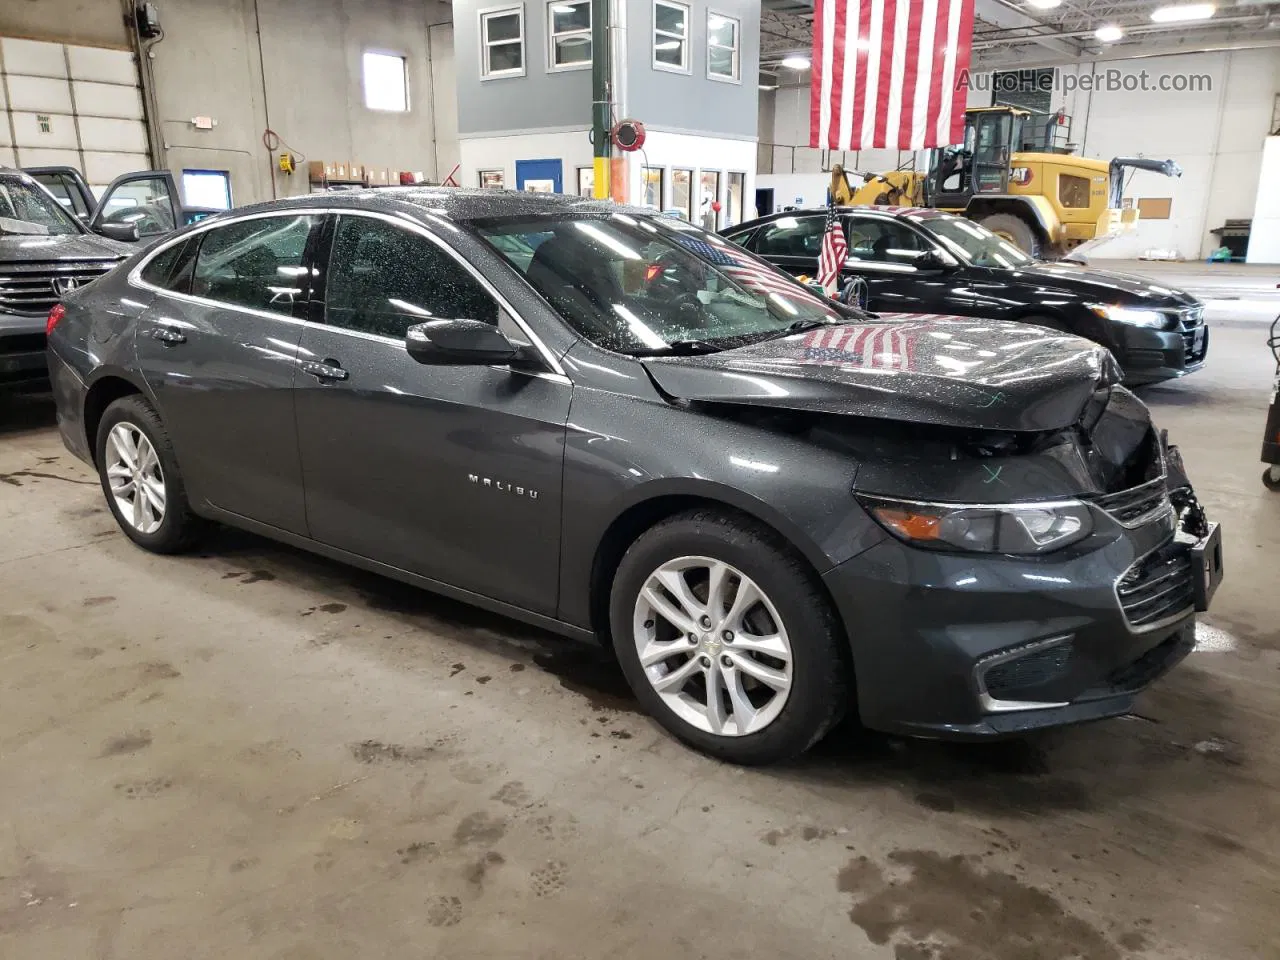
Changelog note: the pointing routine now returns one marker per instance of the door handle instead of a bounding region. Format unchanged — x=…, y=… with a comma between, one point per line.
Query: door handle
x=168, y=335
x=330, y=370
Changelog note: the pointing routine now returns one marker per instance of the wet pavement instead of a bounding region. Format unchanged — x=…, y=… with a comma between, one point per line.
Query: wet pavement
x=252, y=752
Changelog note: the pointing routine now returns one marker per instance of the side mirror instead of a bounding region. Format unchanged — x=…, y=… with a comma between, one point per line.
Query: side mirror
x=459, y=342
x=936, y=260
x=127, y=232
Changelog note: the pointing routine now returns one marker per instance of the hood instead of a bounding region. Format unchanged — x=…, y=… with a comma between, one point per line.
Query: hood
x=950, y=371
x=1102, y=285
x=72, y=246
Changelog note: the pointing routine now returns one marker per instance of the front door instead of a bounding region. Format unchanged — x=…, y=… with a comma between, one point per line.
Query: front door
x=218, y=347
x=885, y=252
x=148, y=200
x=448, y=472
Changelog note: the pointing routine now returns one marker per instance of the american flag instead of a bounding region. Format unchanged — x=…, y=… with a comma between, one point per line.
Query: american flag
x=880, y=346
x=833, y=253
x=885, y=73
x=756, y=276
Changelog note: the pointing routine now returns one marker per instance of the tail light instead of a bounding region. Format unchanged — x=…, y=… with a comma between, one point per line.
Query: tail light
x=56, y=314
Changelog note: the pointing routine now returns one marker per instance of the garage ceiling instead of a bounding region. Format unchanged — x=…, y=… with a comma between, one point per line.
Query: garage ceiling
x=1011, y=33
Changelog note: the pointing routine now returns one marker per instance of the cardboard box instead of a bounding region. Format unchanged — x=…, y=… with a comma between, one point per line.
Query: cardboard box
x=377, y=176
x=316, y=171
x=355, y=171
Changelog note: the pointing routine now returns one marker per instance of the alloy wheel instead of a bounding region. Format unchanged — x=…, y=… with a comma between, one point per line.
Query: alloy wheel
x=135, y=478
x=713, y=646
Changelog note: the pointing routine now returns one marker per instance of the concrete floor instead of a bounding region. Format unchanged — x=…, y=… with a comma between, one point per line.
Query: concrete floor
x=255, y=753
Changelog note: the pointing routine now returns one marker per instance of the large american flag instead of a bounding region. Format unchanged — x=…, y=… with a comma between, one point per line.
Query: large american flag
x=835, y=249
x=885, y=73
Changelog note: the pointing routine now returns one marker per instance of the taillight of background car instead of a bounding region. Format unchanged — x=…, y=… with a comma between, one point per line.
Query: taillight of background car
x=55, y=314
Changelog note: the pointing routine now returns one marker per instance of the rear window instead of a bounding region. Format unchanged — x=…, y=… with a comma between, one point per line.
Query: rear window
x=170, y=269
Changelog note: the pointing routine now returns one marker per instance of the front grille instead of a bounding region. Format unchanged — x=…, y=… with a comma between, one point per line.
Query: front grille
x=30, y=287
x=1137, y=505
x=1005, y=680
x=1191, y=324
x=1158, y=588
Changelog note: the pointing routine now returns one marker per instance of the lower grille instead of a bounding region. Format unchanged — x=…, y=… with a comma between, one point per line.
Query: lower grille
x=1139, y=673
x=1137, y=505
x=1158, y=588
x=22, y=343
x=1007, y=680
x=35, y=287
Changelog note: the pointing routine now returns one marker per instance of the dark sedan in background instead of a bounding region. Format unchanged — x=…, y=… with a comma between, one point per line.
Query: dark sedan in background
x=618, y=426
x=925, y=261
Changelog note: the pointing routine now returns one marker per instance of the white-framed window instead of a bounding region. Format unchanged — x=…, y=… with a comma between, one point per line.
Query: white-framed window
x=722, y=47
x=502, y=42
x=386, y=81
x=569, y=35
x=670, y=36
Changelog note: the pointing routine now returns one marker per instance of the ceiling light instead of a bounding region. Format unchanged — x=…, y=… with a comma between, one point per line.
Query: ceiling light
x=1045, y=4
x=1108, y=33
x=796, y=62
x=1187, y=11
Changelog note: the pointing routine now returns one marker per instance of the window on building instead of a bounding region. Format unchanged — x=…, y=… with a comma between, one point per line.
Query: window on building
x=492, y=179
x=254, y=263
x=207, y=188
x=722, y=47
x=670, y=36
x=386, y=82
x=653, y=186
x=502, y=42
x=569, y=31
x=586, y=182
x=383, y=279
x=682, y=192
x=708, y=199
x=737, y=199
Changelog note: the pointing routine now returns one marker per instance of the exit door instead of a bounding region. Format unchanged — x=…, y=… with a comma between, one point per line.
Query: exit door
x=540, y=176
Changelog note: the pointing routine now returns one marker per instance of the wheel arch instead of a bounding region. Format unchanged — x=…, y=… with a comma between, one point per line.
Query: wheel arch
x=106, y=388
x=656, y=501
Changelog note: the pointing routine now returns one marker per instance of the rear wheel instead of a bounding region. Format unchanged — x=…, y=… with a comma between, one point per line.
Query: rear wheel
x=1013, y=230
x=141, y=480
x=727, y=638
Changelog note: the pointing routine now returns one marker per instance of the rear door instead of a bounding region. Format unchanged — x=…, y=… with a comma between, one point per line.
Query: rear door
x=449, y=472
x=219, y=349
x=792, y=243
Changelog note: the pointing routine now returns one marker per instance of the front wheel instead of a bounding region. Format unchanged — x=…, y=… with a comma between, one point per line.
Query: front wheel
x=1271, y=478
x=1013, y=230
x=727, y=638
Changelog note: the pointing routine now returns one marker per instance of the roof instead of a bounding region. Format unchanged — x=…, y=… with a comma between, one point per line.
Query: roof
x=455, y=203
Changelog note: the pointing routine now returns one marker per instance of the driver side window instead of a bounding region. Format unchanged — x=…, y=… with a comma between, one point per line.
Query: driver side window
x=145, y=202
x=872, y=240
x=792, y=237
x=383, y=279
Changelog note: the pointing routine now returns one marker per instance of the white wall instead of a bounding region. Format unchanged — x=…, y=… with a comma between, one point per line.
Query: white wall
x=501, y=153
x=1216, y=135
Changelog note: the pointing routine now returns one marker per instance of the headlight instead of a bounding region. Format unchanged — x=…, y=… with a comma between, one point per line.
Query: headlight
x=1013, y=528
x=1131, y=315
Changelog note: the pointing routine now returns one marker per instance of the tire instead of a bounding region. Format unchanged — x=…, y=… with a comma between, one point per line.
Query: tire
x=1271, y=478
x=1014, y=229
x=169, y=528
x=794, y=620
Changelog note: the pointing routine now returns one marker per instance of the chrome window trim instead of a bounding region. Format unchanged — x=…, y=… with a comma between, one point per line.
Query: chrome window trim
x=401, y=220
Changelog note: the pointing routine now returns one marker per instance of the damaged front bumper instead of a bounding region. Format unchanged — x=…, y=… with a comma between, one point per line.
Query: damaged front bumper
x=963, y=645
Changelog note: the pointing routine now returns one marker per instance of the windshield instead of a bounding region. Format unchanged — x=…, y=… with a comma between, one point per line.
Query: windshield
x=974, y=244
x=30, y=211
x=647, y=285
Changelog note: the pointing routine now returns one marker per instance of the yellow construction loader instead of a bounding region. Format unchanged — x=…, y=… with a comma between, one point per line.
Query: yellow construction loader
x=1037, y=197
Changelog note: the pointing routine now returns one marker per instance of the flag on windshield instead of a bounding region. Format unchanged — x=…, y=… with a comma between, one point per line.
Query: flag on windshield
x=833, y=253
x=888, y=73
